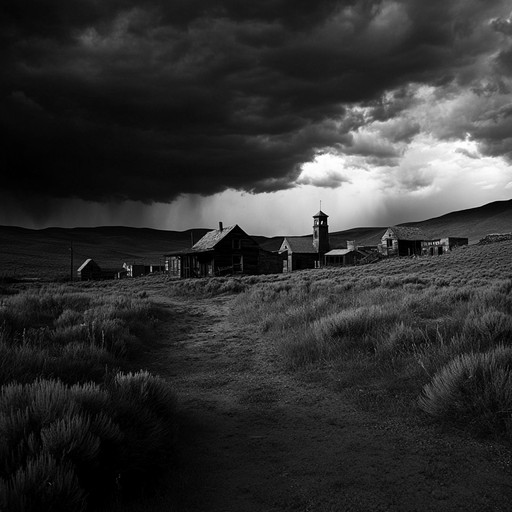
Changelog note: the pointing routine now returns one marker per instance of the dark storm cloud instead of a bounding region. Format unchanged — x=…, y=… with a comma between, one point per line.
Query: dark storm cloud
x=147, y=100
x=502, y=25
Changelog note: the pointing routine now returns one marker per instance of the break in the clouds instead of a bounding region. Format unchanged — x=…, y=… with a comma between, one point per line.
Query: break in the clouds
x=147, y=101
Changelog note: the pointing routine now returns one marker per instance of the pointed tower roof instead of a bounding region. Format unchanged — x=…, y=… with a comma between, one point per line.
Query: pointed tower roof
x=321, y=214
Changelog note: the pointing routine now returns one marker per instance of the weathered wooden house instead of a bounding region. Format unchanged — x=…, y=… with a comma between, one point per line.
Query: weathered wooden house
x=300, y=253
x=223, y=251
x=440, y=246
x=402, y=241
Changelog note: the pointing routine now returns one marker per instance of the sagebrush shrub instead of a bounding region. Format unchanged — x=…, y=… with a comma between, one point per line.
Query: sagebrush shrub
x=42, y=484
x=145, y=409
x=488, y=328
x=473, y=389
x=402, y=338
x=71, y=429
x=68, y=318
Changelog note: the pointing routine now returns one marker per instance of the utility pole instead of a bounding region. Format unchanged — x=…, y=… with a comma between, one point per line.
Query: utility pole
x=71, y=263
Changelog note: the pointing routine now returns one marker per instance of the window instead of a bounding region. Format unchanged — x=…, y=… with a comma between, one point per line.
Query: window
x=389, y=242
x=236, y=243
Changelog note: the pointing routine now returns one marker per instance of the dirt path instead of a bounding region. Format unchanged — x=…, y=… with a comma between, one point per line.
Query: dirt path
x=260, y=440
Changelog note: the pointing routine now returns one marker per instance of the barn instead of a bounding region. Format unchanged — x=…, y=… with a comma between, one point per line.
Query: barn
x=223, y=251
x=402, y=241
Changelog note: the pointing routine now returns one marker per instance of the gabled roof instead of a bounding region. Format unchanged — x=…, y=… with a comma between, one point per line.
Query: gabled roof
x=212, y=238
x=408, y=233
x=300, y=244
x=86, y=263
x=339, y=252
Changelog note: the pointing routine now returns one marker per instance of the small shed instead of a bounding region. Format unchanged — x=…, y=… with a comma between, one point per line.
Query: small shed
x=402, y=241
x=352, y=255
x=88, y=270
x=342, y=257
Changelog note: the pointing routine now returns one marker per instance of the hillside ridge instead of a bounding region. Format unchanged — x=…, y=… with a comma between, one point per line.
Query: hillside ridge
x=46, y=252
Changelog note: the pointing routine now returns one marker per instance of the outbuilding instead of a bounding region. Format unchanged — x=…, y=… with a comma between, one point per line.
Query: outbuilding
x=438, y=246
x=402, y=241
x=298, y=253
x=88, y=270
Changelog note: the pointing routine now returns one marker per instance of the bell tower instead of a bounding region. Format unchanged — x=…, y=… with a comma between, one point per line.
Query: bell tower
x=321, y=232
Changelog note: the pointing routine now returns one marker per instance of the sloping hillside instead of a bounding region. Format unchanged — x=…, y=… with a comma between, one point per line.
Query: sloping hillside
x=474, y=223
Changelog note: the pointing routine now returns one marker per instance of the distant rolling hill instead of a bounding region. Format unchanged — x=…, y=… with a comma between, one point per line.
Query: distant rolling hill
x=474, y=223
x=46, y=252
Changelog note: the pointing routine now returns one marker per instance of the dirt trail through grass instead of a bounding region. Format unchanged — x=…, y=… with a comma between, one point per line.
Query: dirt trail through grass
x=258, y=439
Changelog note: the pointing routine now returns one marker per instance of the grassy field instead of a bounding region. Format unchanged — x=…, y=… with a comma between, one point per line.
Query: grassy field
x=429, y=335
x=432, y=333
x=77, y=428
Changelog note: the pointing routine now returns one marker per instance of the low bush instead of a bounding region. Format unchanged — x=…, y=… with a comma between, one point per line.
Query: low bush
x=82, y=440
x=40, y=485
x=74, y=430
x=74, y=362
x=145, y=409
x=473, y=390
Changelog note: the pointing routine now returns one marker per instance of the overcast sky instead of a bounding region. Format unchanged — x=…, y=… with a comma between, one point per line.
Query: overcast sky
x=180, y=113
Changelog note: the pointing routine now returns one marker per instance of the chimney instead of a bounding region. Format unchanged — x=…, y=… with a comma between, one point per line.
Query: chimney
x=351, y=245
x=220, y=226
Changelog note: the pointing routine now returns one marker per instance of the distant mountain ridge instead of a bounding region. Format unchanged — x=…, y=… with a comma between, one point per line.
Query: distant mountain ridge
x=46, y=252
x=475, y=223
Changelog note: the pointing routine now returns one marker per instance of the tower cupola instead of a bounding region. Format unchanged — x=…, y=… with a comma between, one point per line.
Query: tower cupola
x=321, y=232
